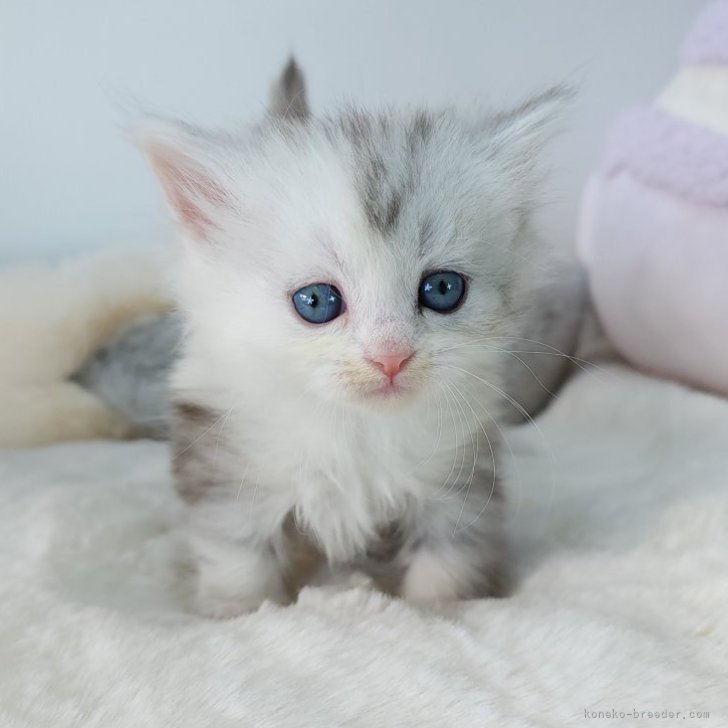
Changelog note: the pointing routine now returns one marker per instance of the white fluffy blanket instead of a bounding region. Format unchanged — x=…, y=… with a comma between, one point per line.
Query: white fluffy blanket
x=620, y=528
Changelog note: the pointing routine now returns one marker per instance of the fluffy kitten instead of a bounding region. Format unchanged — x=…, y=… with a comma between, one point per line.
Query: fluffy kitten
x=350, y=287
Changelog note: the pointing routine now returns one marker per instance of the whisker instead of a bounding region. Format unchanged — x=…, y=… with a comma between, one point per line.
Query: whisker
x=473, y=442
x=242, y=480
x=475, y=459
x=464, y=433
x=205, y=433
x=255, y=494
x=508, y=445
x=455, y=450
x=219, y=435
x=515, y=355
x=526, y=415
x=583, y=364
x=436, y=446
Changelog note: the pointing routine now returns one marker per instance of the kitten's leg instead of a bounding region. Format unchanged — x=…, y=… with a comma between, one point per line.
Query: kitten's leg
x=235, y=568
x=234, y=529
x=456, y=546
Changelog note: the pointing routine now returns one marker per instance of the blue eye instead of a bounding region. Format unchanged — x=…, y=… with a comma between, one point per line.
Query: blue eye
x=318, y=303
x=442, y=291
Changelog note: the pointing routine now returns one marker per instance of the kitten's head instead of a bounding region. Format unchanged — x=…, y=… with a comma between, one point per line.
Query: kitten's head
x=355, y=256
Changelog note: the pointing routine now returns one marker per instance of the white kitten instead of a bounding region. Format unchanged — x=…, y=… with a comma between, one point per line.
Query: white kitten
x=350, y=288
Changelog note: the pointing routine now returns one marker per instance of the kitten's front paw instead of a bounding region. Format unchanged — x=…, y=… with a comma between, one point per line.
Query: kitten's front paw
x=426, y=580
x=230, y=581
x=448, y=576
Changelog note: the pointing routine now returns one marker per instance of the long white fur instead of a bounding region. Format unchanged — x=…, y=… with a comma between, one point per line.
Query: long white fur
x=262, y=215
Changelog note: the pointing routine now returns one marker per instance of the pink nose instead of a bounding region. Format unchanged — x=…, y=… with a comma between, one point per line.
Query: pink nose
x=391, y=364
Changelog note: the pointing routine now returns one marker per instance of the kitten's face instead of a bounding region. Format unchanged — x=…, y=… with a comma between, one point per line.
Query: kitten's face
x=358, y=259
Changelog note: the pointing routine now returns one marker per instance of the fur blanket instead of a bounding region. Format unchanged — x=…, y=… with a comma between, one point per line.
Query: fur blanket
x=619, y=520
x=52, y=317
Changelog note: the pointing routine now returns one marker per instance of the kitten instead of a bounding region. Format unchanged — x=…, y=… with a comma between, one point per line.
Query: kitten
x=351, y=288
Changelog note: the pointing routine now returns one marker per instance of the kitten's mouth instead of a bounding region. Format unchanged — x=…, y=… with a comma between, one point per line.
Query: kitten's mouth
x=389, y=393
x=378, y=391
x=388, y=390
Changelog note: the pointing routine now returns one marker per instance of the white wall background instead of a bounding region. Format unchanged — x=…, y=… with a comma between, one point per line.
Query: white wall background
x=72, y=72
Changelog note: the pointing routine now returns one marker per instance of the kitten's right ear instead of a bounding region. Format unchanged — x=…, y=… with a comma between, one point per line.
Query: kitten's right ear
x=193, y=180
x=288, y=94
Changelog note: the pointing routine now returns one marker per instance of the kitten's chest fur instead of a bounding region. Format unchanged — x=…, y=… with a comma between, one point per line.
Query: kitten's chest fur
x=347, y=476
x=344, y=476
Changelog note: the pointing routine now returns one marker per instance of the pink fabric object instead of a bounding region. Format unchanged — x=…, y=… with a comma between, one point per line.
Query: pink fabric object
x=708, y=40
x=658, y=269
x=670, y=154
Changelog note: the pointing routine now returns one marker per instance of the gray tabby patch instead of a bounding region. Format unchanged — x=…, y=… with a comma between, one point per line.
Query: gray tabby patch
x=131, y=371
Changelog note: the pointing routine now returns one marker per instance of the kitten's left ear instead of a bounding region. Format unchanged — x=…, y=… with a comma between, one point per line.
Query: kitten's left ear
x=523, y=132
x=188, y=165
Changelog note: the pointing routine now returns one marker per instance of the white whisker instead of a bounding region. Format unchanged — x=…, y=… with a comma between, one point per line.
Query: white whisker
x=526, y=416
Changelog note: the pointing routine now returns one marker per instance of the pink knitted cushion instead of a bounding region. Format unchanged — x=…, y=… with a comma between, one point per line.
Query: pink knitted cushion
x=654, y=238
x=658, y=269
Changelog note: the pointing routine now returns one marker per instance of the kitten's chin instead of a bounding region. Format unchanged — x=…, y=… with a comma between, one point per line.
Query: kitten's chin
x=387, y=396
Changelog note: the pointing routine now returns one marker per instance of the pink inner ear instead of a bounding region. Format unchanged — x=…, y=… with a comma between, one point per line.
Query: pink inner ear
x=191, y=191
